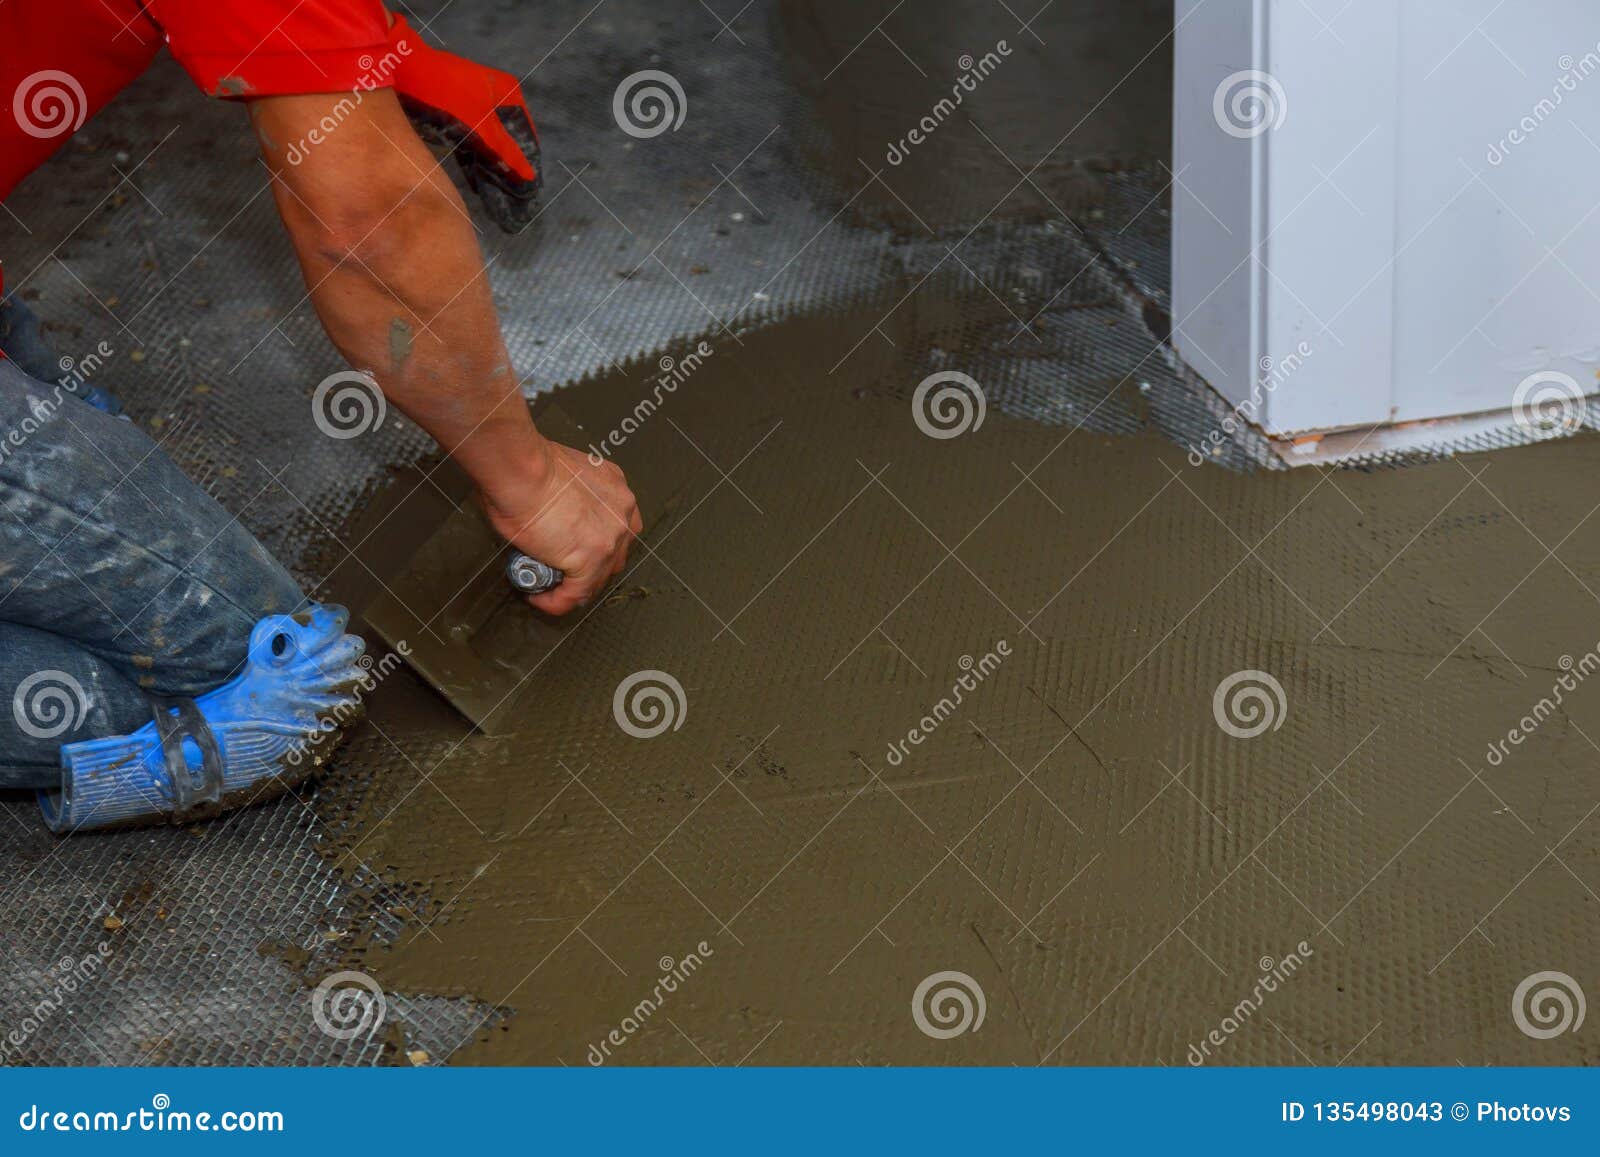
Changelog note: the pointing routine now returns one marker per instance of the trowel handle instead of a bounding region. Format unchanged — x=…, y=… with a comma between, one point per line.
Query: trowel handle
x=530, y=576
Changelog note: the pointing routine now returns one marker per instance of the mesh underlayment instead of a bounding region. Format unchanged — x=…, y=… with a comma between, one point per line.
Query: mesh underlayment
x=184, y=272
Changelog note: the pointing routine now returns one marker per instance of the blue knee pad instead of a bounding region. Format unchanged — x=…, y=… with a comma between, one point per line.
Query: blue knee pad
x=251, y=738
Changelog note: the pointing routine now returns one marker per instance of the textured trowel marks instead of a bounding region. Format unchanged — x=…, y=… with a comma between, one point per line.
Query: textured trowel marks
x=1079, y=836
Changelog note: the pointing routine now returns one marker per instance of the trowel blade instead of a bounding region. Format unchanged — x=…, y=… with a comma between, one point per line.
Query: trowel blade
x=461, y=564
x=454, y=616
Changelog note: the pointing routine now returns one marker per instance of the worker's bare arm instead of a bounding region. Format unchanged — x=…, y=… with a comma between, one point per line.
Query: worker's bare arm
x=394, y=272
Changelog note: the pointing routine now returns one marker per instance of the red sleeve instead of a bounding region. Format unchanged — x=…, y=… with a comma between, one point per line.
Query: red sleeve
x=245, y=48
x=60, y=63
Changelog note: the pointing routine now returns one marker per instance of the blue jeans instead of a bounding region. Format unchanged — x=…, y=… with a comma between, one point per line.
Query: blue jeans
x=119, y=577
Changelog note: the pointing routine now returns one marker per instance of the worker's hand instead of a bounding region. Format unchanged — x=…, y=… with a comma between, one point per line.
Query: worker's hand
x=576, y=516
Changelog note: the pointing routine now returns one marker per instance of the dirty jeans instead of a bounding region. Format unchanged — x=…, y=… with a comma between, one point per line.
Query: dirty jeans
x=119, y=577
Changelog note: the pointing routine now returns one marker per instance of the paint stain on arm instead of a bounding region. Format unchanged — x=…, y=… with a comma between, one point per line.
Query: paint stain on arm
x=399, y=343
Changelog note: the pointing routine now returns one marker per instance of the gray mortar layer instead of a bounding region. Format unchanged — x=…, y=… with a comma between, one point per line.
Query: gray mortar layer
x=182, y=268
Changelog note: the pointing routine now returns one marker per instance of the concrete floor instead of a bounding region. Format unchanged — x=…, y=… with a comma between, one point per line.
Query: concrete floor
x=1092, y=843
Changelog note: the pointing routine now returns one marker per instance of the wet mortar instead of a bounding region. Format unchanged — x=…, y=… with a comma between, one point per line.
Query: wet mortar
x=973, y=89
x=1080, y=836
x=1199, y=854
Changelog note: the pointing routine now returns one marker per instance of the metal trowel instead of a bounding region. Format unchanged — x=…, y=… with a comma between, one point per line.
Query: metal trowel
x=458, y=610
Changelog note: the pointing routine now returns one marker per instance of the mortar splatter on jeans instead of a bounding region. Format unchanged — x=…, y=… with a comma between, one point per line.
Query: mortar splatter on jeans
x=119, y=577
